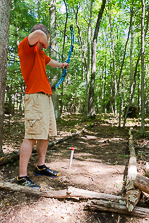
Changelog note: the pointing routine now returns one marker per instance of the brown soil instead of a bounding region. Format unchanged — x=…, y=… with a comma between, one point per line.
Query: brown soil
x=100, y=157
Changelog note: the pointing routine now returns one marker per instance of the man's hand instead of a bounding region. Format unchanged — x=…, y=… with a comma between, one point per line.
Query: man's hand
x=54, y=63
x=65, y=65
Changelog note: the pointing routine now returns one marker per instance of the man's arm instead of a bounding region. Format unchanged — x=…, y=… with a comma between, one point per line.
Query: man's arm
x=38, y=36
x=54, y=63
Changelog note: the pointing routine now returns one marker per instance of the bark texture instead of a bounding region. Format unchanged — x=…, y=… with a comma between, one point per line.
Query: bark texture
x=4, y=36
x=100, y=205
x=132, y=195
x=91, y=110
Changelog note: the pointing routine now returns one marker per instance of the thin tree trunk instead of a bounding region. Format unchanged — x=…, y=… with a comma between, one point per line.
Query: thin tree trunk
x=4, y=37
x=131, y=57
x=61, y=101
x=88, y=61
x=121, y=69
x=85, y=59
x=91, y=109
x=102, y=92
x=114, y=85
x=135, y=72
x=53, y=40
x=39, y=9
x=142, y=71
x=53, y=44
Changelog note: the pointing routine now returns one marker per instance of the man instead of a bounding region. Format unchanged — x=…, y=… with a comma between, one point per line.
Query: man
x=39, y=113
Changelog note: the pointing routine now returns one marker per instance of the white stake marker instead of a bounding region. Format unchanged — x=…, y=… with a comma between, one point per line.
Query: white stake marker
x=71, y=156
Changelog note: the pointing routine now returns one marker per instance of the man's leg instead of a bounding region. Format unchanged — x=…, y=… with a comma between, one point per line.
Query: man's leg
x=42, y=146
x=41, y=168
x=25, y=154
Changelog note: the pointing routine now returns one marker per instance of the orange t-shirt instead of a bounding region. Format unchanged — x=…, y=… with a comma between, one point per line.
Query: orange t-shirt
x=33, y=62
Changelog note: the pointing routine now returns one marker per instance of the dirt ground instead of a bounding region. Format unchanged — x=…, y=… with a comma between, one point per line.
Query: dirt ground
x=100, y=157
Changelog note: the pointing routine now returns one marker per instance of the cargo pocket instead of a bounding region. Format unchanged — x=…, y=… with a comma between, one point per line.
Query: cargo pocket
x=26, y=97
x=33, y=123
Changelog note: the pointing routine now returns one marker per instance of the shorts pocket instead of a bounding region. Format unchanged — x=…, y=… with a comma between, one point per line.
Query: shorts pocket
x=26, y=97
x=33, y=123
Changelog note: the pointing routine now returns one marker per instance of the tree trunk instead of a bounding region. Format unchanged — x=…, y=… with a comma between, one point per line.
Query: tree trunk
x=53, y=40
x=131, y=57
x=88, y=61
x=142, y=71
x=121, y=69
x=53, y=44
x=91, y=110
x=114, y=84
x=4, y=37
x=39, y=9
x=85, y=58
x=135, y=73
x=62, y=59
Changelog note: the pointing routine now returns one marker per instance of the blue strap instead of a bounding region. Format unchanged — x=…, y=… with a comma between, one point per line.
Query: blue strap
x=68, y=60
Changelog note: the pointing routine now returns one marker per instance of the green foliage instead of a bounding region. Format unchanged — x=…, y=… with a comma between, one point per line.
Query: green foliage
x=26, y=13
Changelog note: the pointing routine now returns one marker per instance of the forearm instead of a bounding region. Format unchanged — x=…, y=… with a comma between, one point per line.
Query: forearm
x=43, y=39
x=54, y=63
x=38, y=36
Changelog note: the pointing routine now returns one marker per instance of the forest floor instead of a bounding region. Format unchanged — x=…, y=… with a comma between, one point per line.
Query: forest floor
x=100, y=157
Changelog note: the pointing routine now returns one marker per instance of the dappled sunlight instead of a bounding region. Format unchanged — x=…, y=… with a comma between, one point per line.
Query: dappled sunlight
x=52, y=211
x=105, y=124
x=7, y=149
x=82, y=156
x=91, y=137
x=91, y=175
x=98, y=165
x=110, y=139
x=66, y=133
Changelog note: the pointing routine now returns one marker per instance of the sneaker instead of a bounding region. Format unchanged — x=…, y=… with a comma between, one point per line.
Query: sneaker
x=45, y=171
x=25, y=181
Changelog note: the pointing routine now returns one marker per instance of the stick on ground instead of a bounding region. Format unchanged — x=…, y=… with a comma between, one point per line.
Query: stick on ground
x=132, y=195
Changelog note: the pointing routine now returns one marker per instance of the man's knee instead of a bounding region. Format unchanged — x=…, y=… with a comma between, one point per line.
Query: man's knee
x=29, y=142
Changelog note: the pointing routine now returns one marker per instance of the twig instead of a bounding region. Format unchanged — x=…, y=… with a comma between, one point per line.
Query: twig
x=88, y=219
x=119, y=218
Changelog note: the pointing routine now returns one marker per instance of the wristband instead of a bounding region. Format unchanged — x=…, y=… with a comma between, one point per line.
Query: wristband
x=62, y=65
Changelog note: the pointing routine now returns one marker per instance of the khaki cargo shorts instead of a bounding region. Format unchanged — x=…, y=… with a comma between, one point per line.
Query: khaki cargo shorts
x=39, y=116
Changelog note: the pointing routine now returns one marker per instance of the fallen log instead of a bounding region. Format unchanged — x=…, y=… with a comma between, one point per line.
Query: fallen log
x=71, y=192
x=28, y=190
x=132, y=196
x=86, y=194
x=70, y=136
x=142, y=183
x=100, y=205
x=9, y=158
x=15, y=155
x=132, y=168
x=63, y=139
x=147, y=170
x=107, y=202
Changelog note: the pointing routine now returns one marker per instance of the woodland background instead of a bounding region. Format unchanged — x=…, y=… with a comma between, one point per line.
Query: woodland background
x=108, y=75
x=109, y=65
